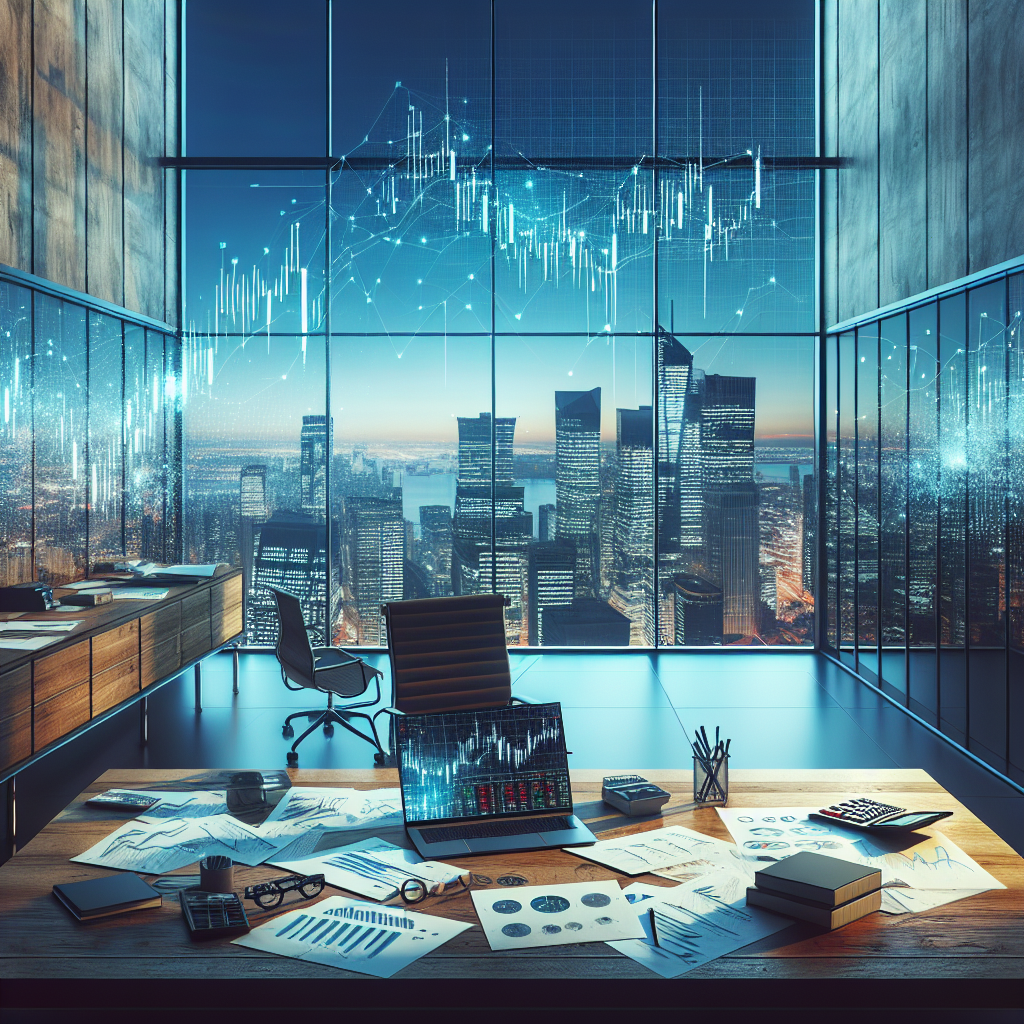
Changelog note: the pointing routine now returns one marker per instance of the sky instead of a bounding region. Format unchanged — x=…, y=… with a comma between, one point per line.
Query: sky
x=572, y=81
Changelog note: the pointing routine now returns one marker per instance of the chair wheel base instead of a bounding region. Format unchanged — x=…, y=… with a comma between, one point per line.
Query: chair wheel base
x=293, y=758
x=287, y=732
x=328, y=730
x=378, y=759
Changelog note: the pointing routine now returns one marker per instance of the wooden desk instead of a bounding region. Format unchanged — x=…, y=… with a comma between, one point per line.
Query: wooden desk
x=969, y=953
x=119, y=651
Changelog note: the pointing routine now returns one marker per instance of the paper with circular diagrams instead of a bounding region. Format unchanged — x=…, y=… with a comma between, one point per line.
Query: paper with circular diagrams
x=555, y=915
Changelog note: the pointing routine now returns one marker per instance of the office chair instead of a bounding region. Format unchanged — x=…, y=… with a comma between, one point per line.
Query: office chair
x=447, y=654
x=327, y=669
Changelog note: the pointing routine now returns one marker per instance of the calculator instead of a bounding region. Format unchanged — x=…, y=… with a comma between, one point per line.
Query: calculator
x=212, y=915
x=633, y=795
x=122, y=800
x=873, y=816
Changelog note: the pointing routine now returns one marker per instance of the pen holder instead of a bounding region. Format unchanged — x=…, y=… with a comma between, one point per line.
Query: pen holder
x=216, y=874
x=711, y=789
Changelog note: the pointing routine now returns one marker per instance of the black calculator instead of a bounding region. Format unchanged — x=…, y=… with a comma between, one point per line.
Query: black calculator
x=874, y=816
x=122, y=800
x=213, y=915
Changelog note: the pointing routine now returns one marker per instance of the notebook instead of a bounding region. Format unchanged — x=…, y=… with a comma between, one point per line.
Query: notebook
x=487, y=781
x=111, y=894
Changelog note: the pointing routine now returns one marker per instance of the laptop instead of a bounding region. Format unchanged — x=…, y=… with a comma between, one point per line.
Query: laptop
x=487, y=781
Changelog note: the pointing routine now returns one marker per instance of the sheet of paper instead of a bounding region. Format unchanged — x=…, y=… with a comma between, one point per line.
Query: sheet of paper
x=199, y=804
x=777, y=832
x=27, y=642
x=86, y=585
x=706, y=918
x=183, y=570
x=902, y=900
x=138, y=593
x=935, y=863
x=353, y=935
x=555, y=915
x=156, y=847
x=309, y=806
x=373, y=868
x=674, y=847
x=41, y=626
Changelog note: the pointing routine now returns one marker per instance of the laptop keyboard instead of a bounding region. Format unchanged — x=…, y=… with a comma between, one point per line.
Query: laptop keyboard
x=494, y=829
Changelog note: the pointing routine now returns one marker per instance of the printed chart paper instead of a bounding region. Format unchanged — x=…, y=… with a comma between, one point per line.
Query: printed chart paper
x=699, y=920
x=903, y=900
x=934, y=863
x=373, y=868
x=156, y=847
x=555, y=915
x=353, y=935
x=199, y=804
x=682, y=849
x=773, y=833
x=315, y=806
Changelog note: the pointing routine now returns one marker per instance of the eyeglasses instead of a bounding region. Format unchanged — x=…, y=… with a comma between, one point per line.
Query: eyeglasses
x=270, y=894
x=414, y=890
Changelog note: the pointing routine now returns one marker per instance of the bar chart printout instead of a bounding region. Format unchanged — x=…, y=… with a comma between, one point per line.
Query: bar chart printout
x=487, y=763
x=353, y=935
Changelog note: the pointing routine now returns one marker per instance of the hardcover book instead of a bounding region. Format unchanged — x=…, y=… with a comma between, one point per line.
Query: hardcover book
x=813, y=876
x=112, y=894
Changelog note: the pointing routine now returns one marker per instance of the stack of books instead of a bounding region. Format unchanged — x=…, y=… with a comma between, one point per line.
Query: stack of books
x=811, y=887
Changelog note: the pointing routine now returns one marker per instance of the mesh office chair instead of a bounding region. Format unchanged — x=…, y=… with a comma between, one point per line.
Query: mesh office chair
x=447, y=654
x=328, y=669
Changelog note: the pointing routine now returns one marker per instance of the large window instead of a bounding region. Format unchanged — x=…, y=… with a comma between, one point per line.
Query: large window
x=525, y=305
x=924, y=511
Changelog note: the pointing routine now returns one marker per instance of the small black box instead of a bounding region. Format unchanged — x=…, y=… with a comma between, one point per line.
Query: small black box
x=26, y=597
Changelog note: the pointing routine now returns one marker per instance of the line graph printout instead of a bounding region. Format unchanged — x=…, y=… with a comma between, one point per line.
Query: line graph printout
x=199, y=804
x=698, y=921
x=353, y=936
x=153, y=848
x=333, y=807
x=489, y=763
x=685, y=851
x=935, y=863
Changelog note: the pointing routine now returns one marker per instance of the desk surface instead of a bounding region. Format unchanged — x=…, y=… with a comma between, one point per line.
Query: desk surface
x=978, y=944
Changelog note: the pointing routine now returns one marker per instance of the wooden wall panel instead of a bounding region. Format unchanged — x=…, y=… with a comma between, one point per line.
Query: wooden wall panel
x=947, y=140
x=16, y=133
x=902, y=171
x=105, y=138
x=144, y=144
x=858, y=139
x=996, y=123
x=828, y=180
x=58, y=155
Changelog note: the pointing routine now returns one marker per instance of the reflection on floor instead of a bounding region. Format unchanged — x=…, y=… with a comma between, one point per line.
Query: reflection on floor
x=621, y=712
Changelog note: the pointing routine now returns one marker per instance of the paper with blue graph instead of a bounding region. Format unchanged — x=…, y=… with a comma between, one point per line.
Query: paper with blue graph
x=688, y=925
x=672, y=847
x=353, y=935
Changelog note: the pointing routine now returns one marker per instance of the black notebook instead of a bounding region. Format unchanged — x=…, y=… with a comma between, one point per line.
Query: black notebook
x=112, y=894
x=813, y=876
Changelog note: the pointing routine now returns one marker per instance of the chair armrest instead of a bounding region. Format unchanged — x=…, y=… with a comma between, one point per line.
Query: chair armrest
x=318, y=631
x=520, y=700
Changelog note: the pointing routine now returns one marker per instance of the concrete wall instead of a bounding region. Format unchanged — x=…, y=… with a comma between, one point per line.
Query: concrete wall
x=925, y=99
x=88, y=105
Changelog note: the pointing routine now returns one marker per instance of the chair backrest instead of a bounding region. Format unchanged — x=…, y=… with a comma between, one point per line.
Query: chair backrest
x=294, y=651
x=448, y=653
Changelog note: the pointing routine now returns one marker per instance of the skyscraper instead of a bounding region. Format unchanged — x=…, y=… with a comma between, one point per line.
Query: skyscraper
x=730, y=520
x=546, y=523
x=292, y=555
x=436, y=542
x=551, y=582
x=578, y=480
x=375, y=534
x=698, y=610
x=316, y=451
x=809, y=535
x=633, y=586
x=252, y=486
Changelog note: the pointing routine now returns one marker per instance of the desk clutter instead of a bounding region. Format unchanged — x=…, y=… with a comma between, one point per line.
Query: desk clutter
x=783, y=865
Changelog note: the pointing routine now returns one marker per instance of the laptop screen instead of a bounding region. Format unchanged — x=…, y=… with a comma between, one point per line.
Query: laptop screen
x=490, y=763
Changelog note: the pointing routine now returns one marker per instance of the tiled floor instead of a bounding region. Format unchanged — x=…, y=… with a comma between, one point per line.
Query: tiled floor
x=621, y=712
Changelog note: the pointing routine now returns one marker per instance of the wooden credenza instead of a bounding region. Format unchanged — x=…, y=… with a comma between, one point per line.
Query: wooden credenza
x=117, y=652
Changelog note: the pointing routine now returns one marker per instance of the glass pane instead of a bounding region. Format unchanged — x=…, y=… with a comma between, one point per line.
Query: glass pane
x=573, y=79
x=986, y=467
x=952, y=515
x=412, y=85
x=411, y=476
x=106, y=440
x=255, y=469
x=409, y=254
x=61, y=402
x=831, y=525
x=589, y=579
x=173, y=448
x=1015, y=526
x=144, y=432
x=738, y=240
x=847, y=496
x=892, y=494
x=16, y=435
x=923, y=448
x=256, y=78
x=254, y=251
x=867, y=501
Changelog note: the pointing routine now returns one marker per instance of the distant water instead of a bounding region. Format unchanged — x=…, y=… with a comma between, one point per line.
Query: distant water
x=439, y=489
x=780, y=470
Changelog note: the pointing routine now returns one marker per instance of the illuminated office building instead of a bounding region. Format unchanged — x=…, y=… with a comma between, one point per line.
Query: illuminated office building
x=316, y=452
x=436, y=545
x=375, y=533
x=578, y=480
x=698, y=611
x=551, y=583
